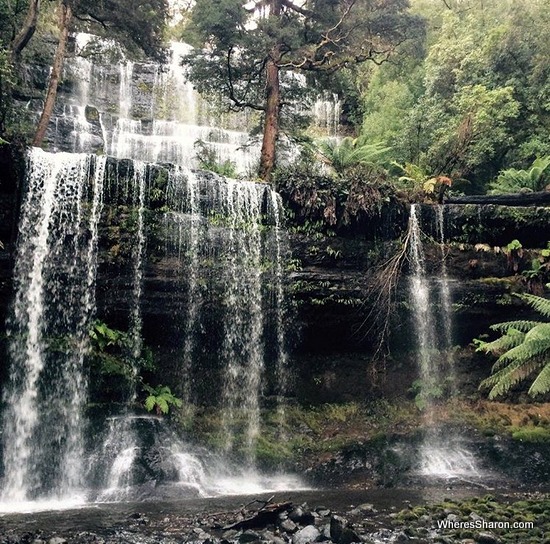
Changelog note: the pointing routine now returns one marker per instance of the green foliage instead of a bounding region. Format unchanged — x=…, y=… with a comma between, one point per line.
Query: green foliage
x=516, y=181
x=514, y=245
x=523, y=352
x=350, y=152
x=532, y=434
x=160, y=399
x=112, y=352
x=208, y=160
x=469, y=99
x=234, y=44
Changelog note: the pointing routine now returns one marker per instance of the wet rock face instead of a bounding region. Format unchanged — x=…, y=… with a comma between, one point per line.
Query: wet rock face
x=329, y=282
x=11, y=168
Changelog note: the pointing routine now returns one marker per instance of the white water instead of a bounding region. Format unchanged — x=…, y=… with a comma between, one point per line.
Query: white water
x=441, y=455
x=43, y=425
x=151, y=112
x=154, y=115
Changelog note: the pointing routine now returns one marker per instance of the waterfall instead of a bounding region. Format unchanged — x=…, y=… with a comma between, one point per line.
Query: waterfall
x=441, y=454
x=222, y=246
x=120, y=443
x=151, y=112
x=54, y=279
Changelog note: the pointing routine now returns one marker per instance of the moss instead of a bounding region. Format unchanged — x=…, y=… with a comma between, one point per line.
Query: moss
x=532, y=434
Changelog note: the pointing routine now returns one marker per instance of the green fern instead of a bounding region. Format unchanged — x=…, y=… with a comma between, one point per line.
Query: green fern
x=523, y=350
x=351, y=152
x=160, y=399
x=513, y=181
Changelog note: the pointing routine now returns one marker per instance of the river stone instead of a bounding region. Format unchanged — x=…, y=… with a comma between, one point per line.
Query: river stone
x=306, y=535
x=268, y=536
x=288, y=525
x=363, y=509
x=348, y=536
x=249, y=536
x=487, y=538
x=337, y=525
x=57, y=540
x=296, y=514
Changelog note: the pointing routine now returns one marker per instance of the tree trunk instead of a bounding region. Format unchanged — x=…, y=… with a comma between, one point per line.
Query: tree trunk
x=272, y=105
x=519, y=199
x=65, y=17
x=25, y=34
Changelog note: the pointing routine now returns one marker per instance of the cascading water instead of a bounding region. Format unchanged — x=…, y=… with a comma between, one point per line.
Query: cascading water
x=440, y=455
x=120, y=447
x=150, y=112
x=215, y=236
x=54, y=302
x=224, y=234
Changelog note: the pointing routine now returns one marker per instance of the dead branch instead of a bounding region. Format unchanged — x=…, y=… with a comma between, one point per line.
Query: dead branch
x=269, y=513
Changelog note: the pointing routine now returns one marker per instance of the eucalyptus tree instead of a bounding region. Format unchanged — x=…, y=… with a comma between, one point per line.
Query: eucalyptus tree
x=250, y=53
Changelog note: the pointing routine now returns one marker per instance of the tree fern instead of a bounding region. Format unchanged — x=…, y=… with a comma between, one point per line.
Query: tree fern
x=513, y=181
x=540, y=304
x=521, y=326
x=510, y=339
x=351, y=152
x=542, y=382
x=523, y=350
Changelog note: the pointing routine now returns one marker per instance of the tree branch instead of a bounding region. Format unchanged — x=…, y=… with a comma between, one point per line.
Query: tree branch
x=26, y=33
x=302, y=11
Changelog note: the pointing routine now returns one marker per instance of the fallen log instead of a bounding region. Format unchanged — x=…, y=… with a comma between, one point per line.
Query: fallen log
x=518, y=199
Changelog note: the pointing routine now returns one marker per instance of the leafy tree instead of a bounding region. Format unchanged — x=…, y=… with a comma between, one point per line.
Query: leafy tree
x=523, y=352
x=254, y=55
x=473, y=97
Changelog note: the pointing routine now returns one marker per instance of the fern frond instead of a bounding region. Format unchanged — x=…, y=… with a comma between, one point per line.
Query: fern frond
x=511, y=339
x=527, y=350
x=540, y=304
x=541, y=384
x=522, y=326
x=150, y=403
x=494, y=378
x=510, y=376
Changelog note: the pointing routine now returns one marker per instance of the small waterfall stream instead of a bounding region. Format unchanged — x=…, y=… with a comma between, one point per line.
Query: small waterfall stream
x=441, y=455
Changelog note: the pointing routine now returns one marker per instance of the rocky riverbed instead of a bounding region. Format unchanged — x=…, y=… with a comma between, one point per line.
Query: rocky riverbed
x=337, y=516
